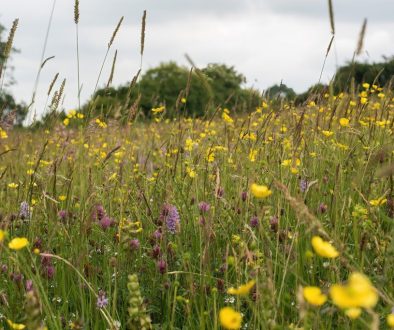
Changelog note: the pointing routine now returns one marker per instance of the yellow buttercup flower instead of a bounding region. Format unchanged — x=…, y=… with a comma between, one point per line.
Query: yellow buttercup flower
x=327, y=133
x=357, y=293
x=2, y=235
x=18, y=243
x=158, y=109
x=390, y=320
x=378, y=202
x=13, y=185
x=243, y=289
x=353, y=313
x=227, y=118
x=344, y=122
x=323, y=248
x=260, y=191
x=314, y=296
x=230, y=319
x=16, y=326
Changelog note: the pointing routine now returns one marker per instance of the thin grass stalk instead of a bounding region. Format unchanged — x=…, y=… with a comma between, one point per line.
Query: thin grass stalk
x=76, y=21
x=42, y=58
x=7, y=50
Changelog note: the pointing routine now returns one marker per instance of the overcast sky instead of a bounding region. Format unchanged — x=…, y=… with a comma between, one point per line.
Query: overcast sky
x=266, y=40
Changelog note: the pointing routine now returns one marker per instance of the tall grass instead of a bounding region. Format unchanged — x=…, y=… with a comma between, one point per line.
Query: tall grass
x=149, y=224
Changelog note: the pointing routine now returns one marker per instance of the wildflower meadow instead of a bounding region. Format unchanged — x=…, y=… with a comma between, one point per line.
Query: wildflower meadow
x=279, y=217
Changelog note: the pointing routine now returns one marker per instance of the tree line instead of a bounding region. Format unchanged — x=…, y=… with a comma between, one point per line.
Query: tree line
x=197, y=92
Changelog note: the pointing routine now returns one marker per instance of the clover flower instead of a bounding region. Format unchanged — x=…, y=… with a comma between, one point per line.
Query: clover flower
x=24, y=210
x=170, y=215
x=102, y=300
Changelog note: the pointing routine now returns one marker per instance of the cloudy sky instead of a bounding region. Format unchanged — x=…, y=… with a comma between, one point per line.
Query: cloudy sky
x=267, y=40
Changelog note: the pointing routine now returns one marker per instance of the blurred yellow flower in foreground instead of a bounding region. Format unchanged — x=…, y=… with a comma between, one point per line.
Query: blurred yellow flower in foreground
x=323, y=248
x=230, y=319
x=2, y=234
x=13, y=185
x=16, y=326
x=358, y=292
x=314, y=296
x=353, y=313
x=390, y=320
x=260, y=191
x=18, y=243
x=243, y=289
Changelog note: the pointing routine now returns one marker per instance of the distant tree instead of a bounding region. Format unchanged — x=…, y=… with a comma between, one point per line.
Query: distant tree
x=379, y=73
x=225, y=82
x=168, y=83
x=280, y=92
x=314, y=93
x=162, y=86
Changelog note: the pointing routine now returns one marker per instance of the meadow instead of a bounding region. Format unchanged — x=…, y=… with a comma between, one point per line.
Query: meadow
x=280, y=219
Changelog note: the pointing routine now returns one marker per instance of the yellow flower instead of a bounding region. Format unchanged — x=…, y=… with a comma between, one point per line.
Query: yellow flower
x=286, y=162
x=378, y=202
x=2, y=234
x=252, y=155
x=390, y=320
x=66, y=121
x=344, y=122
x=366, y=85
x=353, y=313
x=323, y=248
x=62, y=198
x=260, y=191
x=15, y=326
x=314, y=296
x=327, y=133
x=227, y=118
x=158, y=110
x=183, y=100
x=13, y=185
x=230, y=319
x=18, y=243
x=3, y=134
x=358, y=292
x=243, y=289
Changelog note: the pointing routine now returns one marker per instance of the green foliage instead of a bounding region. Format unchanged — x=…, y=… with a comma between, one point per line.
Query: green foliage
x=8, y=105
x=280, y=92
x=314, y=93
x=164, y=84
x=167, y=84
x=376, y=73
